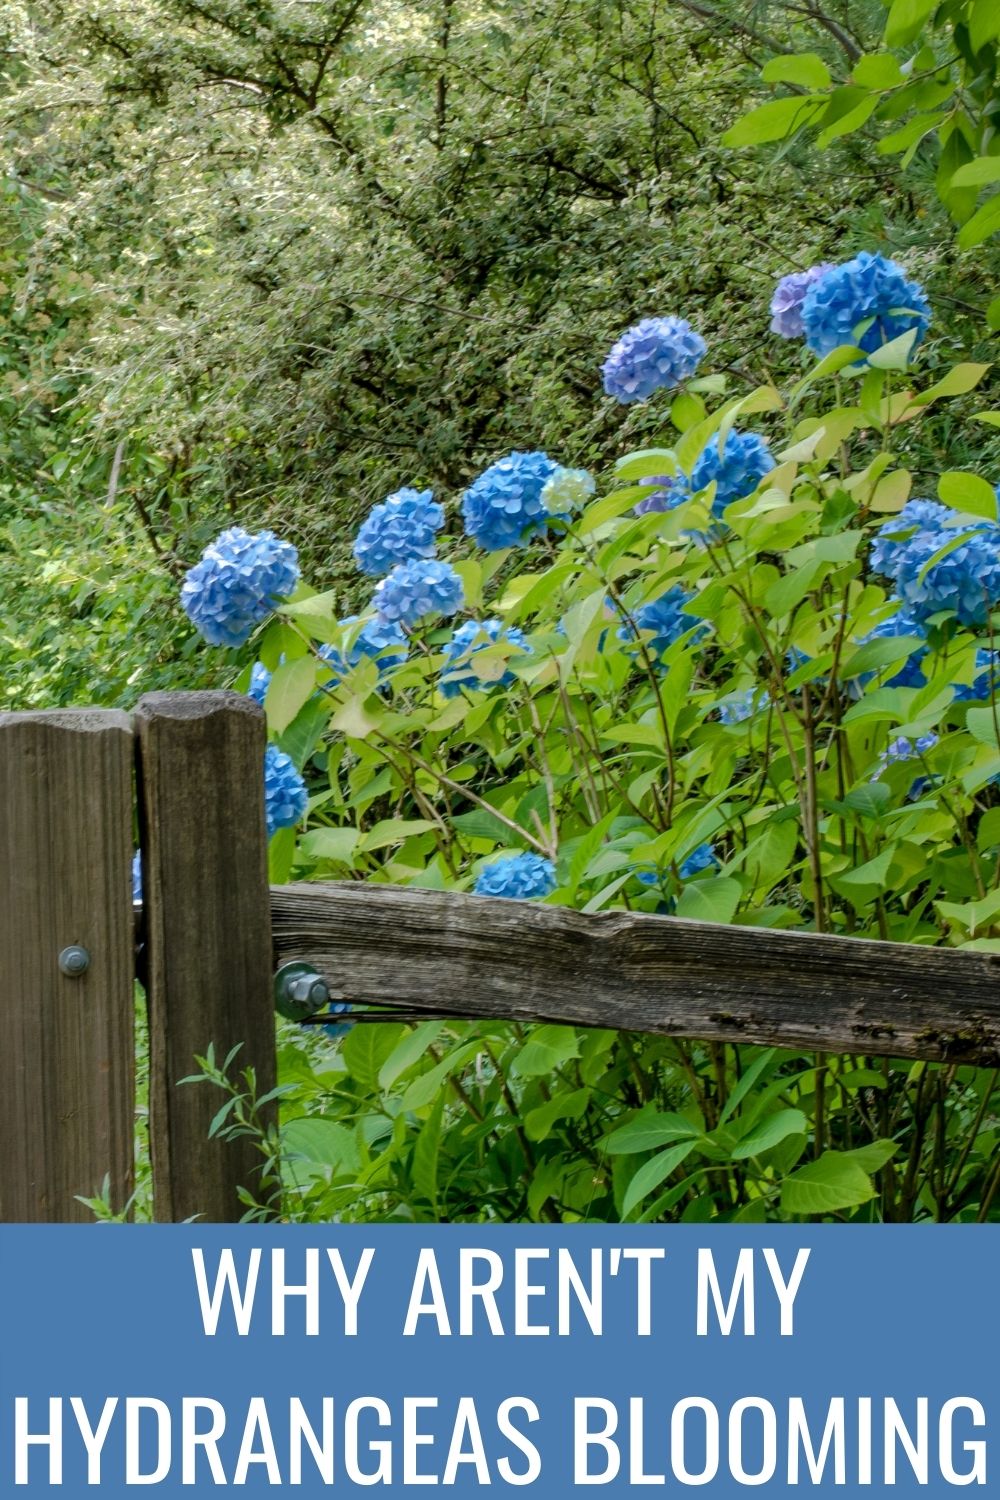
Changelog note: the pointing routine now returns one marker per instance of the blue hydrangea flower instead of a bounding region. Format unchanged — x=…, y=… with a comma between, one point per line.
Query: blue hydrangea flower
x=738, y=707
x=966, y=580
x=336, y=1028
x=910, y=674
x=789, y=295
x=916, y=515
x=987, y=680
x=468, y=639
x=380, y=639
x=903, y=749
x=737, y=470
x=702, y=858
x=401, y=528
x=285, y=796
x=521, y=877
x=656, y=354
x=237, y=584
x=667, y=494
x=260, y=681
x=567, y=490
x=137, y=876
x=662, y=616
x=416, y=590
x=867, y=302
x=504, y=507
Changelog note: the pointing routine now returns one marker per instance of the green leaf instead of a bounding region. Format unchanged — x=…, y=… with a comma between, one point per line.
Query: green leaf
x=877, y=70
x=806, y=69
x=652, y=1173
x=834, y=1182
x=365, y=1048
x=979, y=173
x=546, y=1049
x=321, y=1142
x=427, y=1155
x=769, y=1132
x=905, y=20
x=971, y=916
x=336, y=844
x=648, y=1130
x=410, y=1049
x=426, y=1086
x=290, y=686
x=968, y=493
x=538, y=1122
x=982, y=725
x=984, y=23
x=957, y=382
x=895, y=355
x=393, y=831
x=774, y=121
x=984, y=223
x=712, y=900
x=988, y=832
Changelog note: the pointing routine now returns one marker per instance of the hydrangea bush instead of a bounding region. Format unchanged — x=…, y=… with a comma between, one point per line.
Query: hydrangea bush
x=748, y=677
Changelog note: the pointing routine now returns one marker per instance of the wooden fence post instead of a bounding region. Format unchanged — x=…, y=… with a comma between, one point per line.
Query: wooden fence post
x=66, y=1038
x=208, y=937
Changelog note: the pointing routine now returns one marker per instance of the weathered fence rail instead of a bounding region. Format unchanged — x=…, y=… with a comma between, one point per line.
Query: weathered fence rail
x=439, y=951
x=212, y=933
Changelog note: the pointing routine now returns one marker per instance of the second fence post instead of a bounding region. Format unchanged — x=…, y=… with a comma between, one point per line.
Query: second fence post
x=208, y=937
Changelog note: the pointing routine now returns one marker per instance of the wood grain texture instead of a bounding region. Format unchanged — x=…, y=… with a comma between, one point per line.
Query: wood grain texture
x=66, y=1044
x=430, y=950
x=208, y=943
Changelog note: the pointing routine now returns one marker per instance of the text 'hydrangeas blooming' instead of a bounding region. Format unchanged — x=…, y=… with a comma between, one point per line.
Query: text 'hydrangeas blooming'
x=520, y=877
x=865, y=302
x=416, y=591
x=237, y=583
x=656, y=354
x=403, y=527
x=470, y=639
x=285, y=796
x=504, y=507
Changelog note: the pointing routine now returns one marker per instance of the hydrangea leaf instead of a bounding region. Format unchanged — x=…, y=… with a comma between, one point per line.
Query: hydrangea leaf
x=968, y=493
x=774, y=120
x=652, y=1173
x=290, y=688
x=807, y=69
x=769, y=1132
x=832, y=1183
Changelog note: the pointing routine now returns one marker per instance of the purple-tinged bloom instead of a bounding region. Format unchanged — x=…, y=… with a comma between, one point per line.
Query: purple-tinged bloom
x=656, y=354
x=789, y=295
x=867, y=302
x=667, y=495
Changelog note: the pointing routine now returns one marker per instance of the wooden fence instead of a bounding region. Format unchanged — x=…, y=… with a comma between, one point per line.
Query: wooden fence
x=212, y=933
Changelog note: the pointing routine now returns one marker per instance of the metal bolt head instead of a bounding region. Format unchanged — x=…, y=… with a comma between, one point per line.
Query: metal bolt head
x=74, y=961
x=299, y=991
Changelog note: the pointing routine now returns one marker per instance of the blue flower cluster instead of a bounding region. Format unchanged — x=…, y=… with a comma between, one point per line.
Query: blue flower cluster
x=657, y=353
x=403, y=527
x=903, y=749
x=260, y=681
x=137, y=876
x=504, y=507
x=285, y=796
x=866, y=301
x=667, y=495
x=902, y=623
x=237, y=583
x=521, y=877
x=700, y=859
x=664, y=617
x=379, y=639
x=417, y=590
x=789, y=295
x=471, y=637
x=986, y=683
x=567, y=490
x=736, y=471
x=965, y=580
